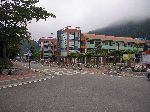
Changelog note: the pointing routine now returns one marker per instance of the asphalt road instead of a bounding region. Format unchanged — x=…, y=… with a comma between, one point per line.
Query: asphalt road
x=78, y=93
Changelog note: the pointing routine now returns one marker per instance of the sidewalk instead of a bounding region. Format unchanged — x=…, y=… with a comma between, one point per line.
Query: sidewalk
x=22, y=72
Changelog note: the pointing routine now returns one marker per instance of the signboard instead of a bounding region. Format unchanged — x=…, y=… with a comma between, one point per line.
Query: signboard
x=126, y=56
x=146, y=58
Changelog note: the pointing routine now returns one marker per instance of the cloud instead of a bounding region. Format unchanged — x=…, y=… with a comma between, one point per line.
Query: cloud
x=88, y=14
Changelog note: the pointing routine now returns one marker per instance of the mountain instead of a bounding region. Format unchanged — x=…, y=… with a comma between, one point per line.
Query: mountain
x=139, y=29
x=26, y=45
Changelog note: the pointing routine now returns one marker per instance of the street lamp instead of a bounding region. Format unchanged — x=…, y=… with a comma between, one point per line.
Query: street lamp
x=29, y=56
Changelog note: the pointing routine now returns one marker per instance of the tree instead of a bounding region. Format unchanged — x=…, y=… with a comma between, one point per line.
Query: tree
x=88, y=56
x=15, y=15
x=73, y=55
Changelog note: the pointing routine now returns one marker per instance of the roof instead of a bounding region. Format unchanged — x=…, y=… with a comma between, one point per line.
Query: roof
x=47, y=39
x=112, y=38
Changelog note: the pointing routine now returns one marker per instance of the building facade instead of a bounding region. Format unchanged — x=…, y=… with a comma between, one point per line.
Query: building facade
x=92, y=41
x=47, y=48
x=68, y=40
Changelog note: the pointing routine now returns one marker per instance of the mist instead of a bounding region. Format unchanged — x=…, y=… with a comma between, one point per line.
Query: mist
x=88, y=14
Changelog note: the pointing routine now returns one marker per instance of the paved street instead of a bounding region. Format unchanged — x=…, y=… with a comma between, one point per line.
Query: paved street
x=68, y=91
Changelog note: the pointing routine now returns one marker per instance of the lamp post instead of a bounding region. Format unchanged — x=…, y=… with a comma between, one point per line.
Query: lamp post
x=29, y=56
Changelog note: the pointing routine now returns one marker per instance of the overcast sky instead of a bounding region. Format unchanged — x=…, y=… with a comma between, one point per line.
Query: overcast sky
x=87, y=14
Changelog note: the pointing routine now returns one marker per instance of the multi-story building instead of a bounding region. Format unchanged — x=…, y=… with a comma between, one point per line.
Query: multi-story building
x=91, y=41
x=68, y=40
x=48, y=47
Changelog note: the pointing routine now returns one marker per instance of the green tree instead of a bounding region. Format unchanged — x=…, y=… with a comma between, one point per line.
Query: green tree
x=15, y=15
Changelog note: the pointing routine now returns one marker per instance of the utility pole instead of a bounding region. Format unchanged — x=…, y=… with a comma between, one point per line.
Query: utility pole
x=29, y=56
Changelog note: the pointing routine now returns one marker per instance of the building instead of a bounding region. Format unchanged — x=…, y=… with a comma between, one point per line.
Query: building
x=47, y=47
x=92, y=41
x=68, y=40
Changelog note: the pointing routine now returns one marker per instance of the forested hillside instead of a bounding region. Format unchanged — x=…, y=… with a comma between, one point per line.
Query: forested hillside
x=27, y=45
x=133, y=29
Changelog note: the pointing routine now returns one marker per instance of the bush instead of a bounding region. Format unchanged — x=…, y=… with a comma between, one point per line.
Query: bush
x=6, y=65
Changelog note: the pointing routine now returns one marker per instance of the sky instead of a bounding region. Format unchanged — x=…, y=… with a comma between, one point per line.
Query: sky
x=87, y=14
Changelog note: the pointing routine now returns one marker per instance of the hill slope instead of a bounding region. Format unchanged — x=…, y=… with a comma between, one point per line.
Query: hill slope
x=26, y=46
x=132, y=29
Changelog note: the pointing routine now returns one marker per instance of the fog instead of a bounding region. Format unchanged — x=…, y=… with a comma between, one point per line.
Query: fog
x=88, y=14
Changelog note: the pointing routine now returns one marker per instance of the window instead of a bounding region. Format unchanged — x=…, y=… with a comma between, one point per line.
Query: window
x=91, y=41
x=106, y=43
x=45, y=51
x=110, y=43
x=71, y=48
x=45, y=47
x=125, y=44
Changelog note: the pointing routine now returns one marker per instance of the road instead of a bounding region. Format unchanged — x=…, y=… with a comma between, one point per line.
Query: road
x=76, y=92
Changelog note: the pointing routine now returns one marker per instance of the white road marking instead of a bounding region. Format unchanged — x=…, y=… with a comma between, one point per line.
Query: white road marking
x=5, y=80
x=70, y=74
x=140, y=76
x=24, y=82
x=20, y=84
x=4, y=87
x=15, y=85
x=10, y=86
x=35, y=81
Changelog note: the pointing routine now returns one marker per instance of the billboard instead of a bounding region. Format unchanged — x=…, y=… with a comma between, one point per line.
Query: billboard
x=146, y=58
x=126, y=56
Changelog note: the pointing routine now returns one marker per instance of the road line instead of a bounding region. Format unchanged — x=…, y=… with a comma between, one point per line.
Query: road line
x=35, y=81
x=140, y=76
x=24, y=82
x=20, y=84
x=5, y=80
x=15, y=85
x=4, y=87
x=10, y=86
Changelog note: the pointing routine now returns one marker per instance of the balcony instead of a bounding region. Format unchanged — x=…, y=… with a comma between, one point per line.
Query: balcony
x=46, y=43
x=82, y=47
x=83, y=39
